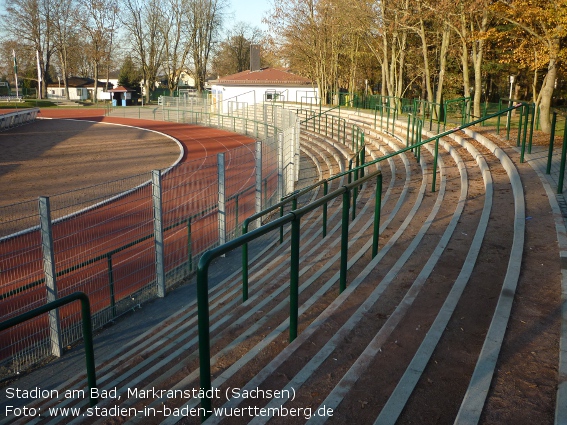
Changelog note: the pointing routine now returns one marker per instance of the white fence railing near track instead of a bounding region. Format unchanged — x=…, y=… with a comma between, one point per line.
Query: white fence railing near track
x=124, y=252
x=17, y=118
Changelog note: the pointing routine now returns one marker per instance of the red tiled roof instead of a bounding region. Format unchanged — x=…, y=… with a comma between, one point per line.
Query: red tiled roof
x=120, y=89
x=273, y=76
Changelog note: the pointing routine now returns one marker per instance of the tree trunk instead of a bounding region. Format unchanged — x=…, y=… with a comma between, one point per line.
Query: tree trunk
x=95, y=97
x=426, y=70
x=385, y=82
x=465, y=55
x=548, y=87
x=478, y=52
x=443, y=61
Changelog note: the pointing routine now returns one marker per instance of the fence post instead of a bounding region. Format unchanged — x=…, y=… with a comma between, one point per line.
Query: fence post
x=158, y=232
x=222, y=198
x=344, y=241
x=563, y=160
x=279, y=138
x=258, y=203
x=50, y=274
x=434, y=176
x=297, y=149
x=294, y=279
x=377, y=211
x=551, y=141
x=111, y=284
x=531, y=129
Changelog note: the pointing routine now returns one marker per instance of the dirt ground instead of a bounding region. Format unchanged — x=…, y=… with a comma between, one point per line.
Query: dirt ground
x=49, y=157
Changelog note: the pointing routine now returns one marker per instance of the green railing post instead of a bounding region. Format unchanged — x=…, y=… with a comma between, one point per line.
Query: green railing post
x=325, y=191
x=521, y=110
x=524, y=110
x=204, y=337
x=375, y=112
x=332, y=127
x=531, y=129
x=111, y=283
x=362, y=158
x=446, y=112
x=418, y=135
x=562, y=166
x=413, y=120
x=551, y=141
x=87, y=330
x=236, y=216
x=266, y=192
x=434, y=181
x=352, y=139
x=408, y=128
x=344, y=241
x=377, y=211
x=281, y=227
x=508, y=123
x=498, y=118
x=355, y=192
x=294, y=279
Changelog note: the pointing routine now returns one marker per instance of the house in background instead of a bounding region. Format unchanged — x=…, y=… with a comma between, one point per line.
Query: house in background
x=261, y=85
x=80, y=89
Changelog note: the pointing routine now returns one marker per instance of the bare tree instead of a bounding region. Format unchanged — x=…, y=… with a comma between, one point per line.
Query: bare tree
x=65, y=28
x=100, y=22
x=206, y=18
x=143, y=22
x=175, y=30
x=233, y=54
x=29, y=22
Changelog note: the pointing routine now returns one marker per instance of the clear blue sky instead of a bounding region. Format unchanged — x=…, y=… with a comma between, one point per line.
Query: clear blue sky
x=249, y=11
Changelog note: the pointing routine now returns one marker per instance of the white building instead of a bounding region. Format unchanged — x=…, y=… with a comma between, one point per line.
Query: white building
x=264, y=84
x=79, y=89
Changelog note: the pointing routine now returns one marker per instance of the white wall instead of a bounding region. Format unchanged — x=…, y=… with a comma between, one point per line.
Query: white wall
x=74, y=93
x=80, y=93
x=258, y=94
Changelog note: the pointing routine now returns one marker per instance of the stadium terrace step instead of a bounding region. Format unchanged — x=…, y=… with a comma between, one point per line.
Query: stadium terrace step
x=410, y=337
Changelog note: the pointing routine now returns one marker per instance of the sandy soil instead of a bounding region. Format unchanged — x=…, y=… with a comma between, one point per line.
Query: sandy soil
x=53, y=156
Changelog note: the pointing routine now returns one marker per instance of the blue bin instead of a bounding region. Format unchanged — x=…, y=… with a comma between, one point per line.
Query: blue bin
x=113, y=102
x=123, y=102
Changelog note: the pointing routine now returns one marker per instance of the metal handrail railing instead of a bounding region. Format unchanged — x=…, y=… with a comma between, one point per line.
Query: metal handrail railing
x=293, y=217
x=87, y=330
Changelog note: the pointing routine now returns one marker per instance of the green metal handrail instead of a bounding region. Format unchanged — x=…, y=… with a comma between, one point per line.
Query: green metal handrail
x=87, y=330
x=563, y=157
x=293, y=217
x=357, y=134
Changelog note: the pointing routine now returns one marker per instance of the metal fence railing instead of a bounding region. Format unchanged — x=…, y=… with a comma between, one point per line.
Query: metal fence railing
x=294, y=218
x=15, y=119
x=127, y=241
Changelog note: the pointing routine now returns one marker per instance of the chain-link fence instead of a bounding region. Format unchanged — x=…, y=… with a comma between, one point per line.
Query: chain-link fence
x=126, y=241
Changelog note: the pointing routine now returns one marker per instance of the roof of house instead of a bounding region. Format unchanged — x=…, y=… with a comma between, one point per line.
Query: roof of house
x=82, y=82
x=264, y=76
x=120, y=89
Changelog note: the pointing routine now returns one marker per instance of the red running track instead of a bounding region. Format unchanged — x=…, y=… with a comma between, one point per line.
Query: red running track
x=186, y=191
